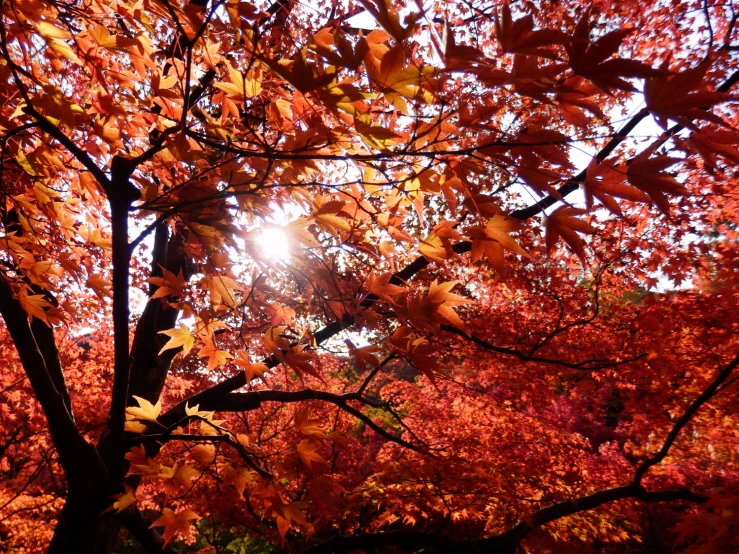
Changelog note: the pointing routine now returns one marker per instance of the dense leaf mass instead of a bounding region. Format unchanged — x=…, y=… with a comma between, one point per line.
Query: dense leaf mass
x=369, y=276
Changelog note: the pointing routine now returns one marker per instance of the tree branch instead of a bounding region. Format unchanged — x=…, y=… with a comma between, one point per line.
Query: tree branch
x=77, y=457
x=247, y=401
x=704, y=397
x=587, y=365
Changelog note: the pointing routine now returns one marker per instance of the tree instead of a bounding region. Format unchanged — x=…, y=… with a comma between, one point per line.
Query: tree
x=506, y=317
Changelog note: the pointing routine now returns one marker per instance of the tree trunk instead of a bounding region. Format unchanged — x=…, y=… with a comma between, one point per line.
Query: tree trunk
x=80, y=528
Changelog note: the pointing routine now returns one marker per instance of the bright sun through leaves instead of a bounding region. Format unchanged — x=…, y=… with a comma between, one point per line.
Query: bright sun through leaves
x=274, y=244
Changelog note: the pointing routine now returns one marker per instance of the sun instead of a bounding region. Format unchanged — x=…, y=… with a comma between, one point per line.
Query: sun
x=274, y=244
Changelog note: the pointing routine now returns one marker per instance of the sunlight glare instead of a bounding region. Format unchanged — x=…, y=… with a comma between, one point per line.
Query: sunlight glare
x=274, y=244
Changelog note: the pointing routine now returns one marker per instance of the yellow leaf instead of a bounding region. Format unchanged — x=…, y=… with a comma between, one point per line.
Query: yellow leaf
x=50, y=30
x=203, y=453
x=135, y=427
x=178, y=337
x=123, y=501
x=195, y=412
x=63, y=50
x=231, y=89
x=297, y=231
x=222, y=290
x=274, y=341
x=210, y=427
x=146, y=411
x=433, y=249
x=166, y=472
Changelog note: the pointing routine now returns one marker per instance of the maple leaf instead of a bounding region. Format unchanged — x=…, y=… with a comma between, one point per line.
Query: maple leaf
x=203, y=453
x=326, y=215
x=326, y=492
x=178, y=337
x=460, y=56
x=364, y=355
x=604, y=181
x=206, y=326
x=593, y=59
x=133, y=426
x=200, y=125
x=377, y=137
x=389, y=19
x=280, y=314
x=297, y=232
x=222, y=290
x=710, y=143
x=300, y=361
x=682, y=96
x=35, y=305
x=386, y=68
x=166, y=472
x=174, y=523
x=499, y=227
x=421, y=354
x=336, y=48
x=211, y=426
x=140, y=463
x=285, y=514
x=440, y=300
x=194, y=411
x=380, y=286
x=216, y=358
x=168, y=285
x=437, y=246
x=563, y=222
x=274, y=341
x=146, y=411
x=301, y=74
x=645, y=172
x=123, y=501
x=238, y=477
x=493, y=238
x=307, y=425
x=252, y=370
x=185, y=475
x=241, y=86
x=575, y=95
x=307, y=451
x=519, y=36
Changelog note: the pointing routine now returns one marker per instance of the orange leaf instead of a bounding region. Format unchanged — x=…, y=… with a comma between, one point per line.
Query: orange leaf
x=175, y=523
x=307, y=452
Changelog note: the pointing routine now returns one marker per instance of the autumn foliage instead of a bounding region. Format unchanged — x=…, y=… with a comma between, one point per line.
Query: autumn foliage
x=369, y=276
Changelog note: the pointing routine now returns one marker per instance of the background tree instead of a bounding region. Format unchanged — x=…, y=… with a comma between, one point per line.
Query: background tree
x=504, y=317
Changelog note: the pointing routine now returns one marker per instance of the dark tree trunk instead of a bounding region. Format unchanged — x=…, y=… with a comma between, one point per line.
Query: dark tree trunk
x=81, y=529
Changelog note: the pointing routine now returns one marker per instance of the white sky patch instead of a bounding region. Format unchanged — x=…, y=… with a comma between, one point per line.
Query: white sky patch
x=363, y=20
